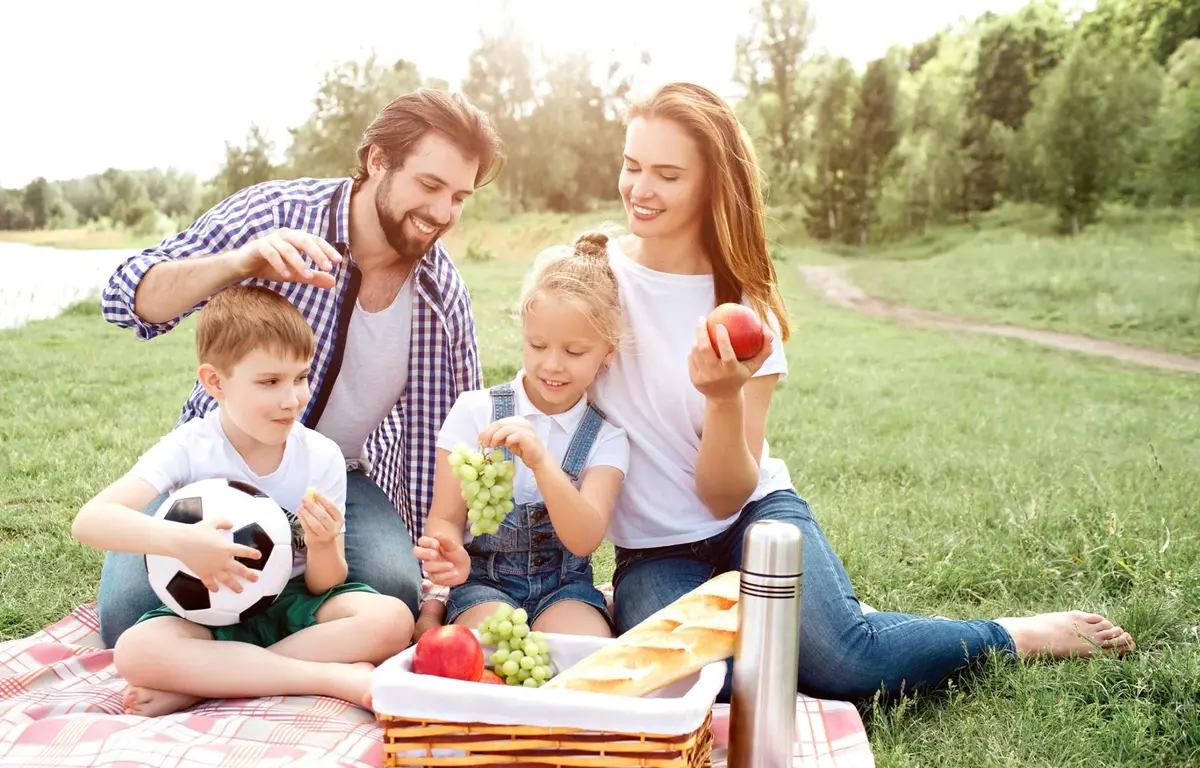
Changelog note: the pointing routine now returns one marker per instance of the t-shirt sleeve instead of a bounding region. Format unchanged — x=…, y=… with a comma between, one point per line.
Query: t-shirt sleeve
x=463, y=424
x=165, y=464
x=776, y=362
x=611, y=449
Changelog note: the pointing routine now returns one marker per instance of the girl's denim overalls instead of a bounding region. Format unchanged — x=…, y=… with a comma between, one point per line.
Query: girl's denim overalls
x=524, y=563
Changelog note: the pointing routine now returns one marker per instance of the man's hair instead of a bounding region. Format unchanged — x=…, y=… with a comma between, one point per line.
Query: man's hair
x=402, y=123
x=245, y=318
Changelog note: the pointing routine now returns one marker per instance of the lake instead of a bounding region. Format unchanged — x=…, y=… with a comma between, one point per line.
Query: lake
x=40, y=282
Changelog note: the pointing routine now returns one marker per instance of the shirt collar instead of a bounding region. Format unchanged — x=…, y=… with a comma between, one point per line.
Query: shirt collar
x=337, y=233
x=568, y=420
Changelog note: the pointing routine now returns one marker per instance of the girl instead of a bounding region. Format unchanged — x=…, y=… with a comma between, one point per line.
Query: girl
x=570, y=461
x=700, y=469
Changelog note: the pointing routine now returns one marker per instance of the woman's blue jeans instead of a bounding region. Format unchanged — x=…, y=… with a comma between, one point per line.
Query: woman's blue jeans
x=843, y=654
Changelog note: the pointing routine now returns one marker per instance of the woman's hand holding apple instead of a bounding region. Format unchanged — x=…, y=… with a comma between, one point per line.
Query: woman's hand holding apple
x=713, y=363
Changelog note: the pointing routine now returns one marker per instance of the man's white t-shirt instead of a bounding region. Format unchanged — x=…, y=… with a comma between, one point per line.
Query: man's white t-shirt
x=648, y=392
x=472, y=413
x=374, y=373
x=199, y=450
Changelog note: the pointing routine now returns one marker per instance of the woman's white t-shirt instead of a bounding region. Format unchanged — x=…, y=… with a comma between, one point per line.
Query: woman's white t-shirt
x=648, y=392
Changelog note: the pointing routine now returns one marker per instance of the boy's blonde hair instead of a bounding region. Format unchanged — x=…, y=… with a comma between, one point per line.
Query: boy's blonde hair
x=579, y=274
x=244, y=318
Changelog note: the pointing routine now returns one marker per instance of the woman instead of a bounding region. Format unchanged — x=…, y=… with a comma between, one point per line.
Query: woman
x=700, y=472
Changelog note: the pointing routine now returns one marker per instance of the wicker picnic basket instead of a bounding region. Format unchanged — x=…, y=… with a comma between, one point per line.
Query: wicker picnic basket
x=431, y=721
x=413, y=743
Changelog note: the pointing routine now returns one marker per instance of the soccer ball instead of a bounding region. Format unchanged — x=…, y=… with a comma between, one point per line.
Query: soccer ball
x=258, y=522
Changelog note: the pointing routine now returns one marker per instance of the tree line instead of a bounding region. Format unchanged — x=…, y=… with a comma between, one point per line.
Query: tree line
x=1039, y=106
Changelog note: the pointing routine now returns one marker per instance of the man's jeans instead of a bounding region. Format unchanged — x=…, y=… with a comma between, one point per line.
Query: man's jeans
x=379, y=553
x=843, y=654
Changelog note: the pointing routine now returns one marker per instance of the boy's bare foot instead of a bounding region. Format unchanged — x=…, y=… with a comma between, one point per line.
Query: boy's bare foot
x=354, y=682
x=151, y=702
x=1069, y=633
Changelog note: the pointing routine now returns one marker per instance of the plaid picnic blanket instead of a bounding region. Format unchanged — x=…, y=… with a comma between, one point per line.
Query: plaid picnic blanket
x=60, y=706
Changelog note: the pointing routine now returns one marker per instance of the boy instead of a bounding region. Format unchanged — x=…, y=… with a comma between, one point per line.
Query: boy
x=322, y=636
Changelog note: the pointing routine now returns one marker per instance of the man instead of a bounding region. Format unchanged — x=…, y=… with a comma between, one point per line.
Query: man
x=362, y=259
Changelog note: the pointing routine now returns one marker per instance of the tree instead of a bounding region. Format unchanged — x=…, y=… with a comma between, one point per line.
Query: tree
x=244, y=166
x=1087, y=121
x=769, y=56
x=1177, y=148
x=348, y=99
x=826, y=193
x=874, y=133
x=500, y=81
x=1014, y=53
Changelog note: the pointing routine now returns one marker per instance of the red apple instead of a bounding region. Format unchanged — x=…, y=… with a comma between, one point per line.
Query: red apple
x=449, y=651
x=745, y=330
x=491, y=678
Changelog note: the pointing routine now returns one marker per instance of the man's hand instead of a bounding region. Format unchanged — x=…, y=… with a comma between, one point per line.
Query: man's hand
x=447, y=563
x=320, y=518
x=280, y=256
x=210, y=555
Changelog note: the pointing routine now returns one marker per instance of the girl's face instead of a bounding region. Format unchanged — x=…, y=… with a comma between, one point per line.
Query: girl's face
x=662, y=179
x=563, y=353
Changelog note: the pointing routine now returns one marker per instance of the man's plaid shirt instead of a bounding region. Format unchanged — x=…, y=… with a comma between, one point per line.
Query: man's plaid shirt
x=444, y=358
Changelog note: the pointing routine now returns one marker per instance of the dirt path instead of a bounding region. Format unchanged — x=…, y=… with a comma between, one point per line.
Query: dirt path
x=832, y=283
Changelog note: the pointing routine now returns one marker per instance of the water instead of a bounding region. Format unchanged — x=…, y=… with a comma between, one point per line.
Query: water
x=39, y=282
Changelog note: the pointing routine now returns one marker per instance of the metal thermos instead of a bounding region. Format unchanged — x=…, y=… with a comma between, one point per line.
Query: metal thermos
x=762, y=706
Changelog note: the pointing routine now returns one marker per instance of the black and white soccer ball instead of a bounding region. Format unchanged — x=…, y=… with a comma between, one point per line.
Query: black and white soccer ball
x=258, y=522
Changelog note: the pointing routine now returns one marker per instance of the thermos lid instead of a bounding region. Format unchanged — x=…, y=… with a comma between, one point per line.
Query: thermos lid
x=772, y=548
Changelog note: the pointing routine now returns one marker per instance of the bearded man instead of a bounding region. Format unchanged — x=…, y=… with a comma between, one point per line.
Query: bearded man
x=363, y=261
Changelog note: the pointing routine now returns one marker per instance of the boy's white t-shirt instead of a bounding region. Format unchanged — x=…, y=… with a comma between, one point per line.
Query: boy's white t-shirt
x=199, y=450
x=472, y=413
x=648, y=392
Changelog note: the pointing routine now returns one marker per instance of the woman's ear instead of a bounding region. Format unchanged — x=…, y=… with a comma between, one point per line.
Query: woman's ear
x=211, y=379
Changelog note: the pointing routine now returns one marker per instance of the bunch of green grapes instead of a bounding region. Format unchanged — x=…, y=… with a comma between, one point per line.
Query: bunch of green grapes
x=521, y=657
x=487, y=486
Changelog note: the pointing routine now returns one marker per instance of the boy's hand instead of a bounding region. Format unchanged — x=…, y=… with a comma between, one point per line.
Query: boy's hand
x=519, y=436
x=320, y=518
x=447, y=563
x=210, y=555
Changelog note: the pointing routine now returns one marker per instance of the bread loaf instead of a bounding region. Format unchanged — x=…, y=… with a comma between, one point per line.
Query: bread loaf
x=697, y=629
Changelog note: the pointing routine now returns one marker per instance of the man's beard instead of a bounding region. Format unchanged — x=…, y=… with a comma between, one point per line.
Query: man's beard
x=409, y=248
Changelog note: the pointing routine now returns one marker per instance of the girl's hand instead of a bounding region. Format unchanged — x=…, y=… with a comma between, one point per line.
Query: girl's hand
x=722, y=376
x=320, y=518
x=447, y=563
x=518, y=435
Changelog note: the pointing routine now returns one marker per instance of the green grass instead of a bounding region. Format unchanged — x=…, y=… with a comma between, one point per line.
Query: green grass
x=1133, y=278
x=955, y=476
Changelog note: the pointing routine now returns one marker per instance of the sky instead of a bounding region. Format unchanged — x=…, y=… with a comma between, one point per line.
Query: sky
x=136, y=84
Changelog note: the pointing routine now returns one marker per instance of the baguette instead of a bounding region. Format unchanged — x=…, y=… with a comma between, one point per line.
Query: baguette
x=680, y=639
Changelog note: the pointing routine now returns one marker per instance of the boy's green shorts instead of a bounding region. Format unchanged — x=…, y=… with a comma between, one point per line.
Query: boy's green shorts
x=295, y=609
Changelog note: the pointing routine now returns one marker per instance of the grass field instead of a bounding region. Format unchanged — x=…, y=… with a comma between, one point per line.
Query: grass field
x=957, y=476
x=1133, y=278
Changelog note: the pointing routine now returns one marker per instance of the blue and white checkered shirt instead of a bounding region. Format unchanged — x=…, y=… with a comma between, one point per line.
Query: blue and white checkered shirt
x=443, y=361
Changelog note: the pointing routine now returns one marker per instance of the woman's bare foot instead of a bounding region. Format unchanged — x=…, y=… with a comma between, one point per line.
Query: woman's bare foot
x=151, y=702
x=1069, y=633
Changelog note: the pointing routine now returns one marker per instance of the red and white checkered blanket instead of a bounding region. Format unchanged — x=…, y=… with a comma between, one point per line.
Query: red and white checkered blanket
x=60, y=706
